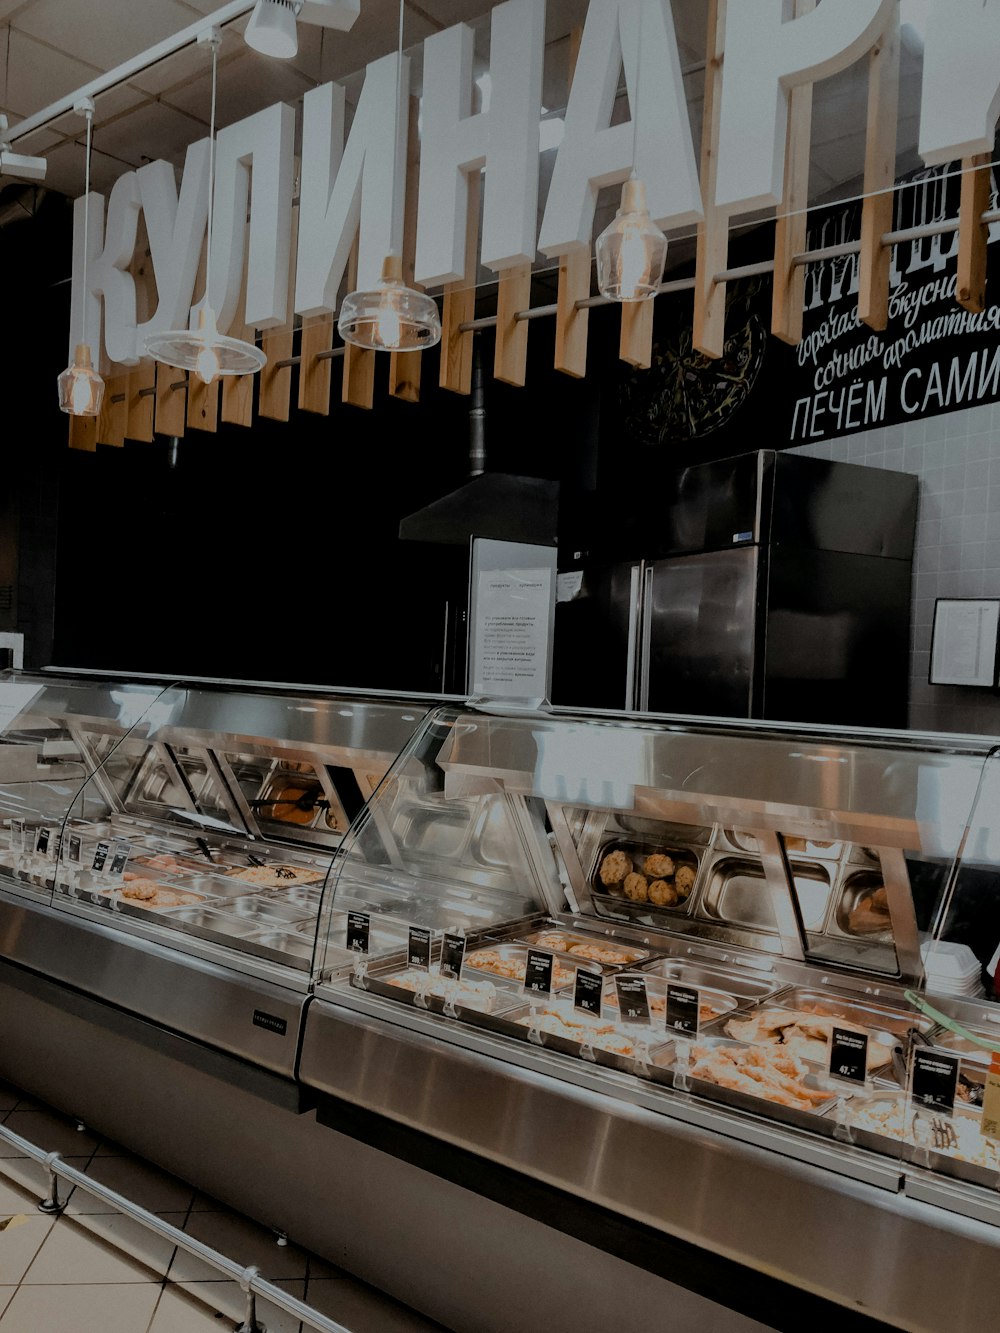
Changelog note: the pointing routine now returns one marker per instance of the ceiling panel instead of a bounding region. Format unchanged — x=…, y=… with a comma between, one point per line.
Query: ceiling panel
x=38, y=74
x=103, y=39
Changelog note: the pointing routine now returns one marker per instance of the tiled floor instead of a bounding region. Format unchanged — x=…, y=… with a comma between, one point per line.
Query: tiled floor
x=95, y=1271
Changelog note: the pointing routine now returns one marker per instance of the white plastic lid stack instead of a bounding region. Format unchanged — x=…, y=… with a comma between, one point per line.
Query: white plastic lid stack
x=951, y=969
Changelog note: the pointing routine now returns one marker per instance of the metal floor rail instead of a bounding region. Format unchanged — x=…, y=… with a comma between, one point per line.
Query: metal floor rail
x=250, y=1279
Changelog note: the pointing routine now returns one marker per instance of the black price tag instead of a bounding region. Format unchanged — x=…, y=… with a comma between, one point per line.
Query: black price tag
x=42, y=841
x=849, y=1055
x=452, y=955
x=75, y=852
x=588, y=991
x=359, y=929
x=633, y=1002
x=100, y=856
x=683, y=1010
x=538, y=972
x=935, y=1079
x=123, y=850
x=419, y=948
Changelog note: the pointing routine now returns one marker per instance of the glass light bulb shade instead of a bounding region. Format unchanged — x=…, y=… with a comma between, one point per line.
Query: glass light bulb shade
x=272, y=29
x=81, y=389
x=390, y=318
x=632, y=251
x=205, y=351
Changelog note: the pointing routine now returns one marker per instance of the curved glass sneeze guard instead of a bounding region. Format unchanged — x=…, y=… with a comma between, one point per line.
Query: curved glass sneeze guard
x=210, y=823
x=791, y=882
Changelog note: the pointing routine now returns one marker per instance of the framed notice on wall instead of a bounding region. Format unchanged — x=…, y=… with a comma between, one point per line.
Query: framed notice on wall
x=964, y=642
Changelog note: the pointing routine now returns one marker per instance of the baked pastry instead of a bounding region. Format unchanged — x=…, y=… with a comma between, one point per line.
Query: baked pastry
x=614, y=868
x=142, y=890
x=870, y=914
x=684, y=881
x=274, y=877
x=637, y=887
x=659, y=866
x=662, y=894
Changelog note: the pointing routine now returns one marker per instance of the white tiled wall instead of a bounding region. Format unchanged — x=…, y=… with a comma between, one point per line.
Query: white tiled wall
x=957, y=458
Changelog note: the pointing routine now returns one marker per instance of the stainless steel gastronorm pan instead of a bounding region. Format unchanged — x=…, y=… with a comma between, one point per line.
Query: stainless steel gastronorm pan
x=738, y=894
x=864, y=1013
x=517, y=953
x=658, y=1049
x=636, y=954
x=812, y=1120
x=268, y=912
x=857, y=884
x=637, y=851
x=742, y=984
x=718, y=1001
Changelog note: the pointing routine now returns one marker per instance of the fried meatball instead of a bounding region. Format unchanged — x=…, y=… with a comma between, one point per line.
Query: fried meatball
x=614, y=868
x=141, y=889
x=637, y=887
x=659, y=866
x=684, y=881
x=662, y=894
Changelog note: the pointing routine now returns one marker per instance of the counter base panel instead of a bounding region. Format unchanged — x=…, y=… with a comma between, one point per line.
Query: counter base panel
x=471, y=1263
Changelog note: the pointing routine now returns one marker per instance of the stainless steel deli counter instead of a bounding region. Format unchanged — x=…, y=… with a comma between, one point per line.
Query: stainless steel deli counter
x=584, y=1017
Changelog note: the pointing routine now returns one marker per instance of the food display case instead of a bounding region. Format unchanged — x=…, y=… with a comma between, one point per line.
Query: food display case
x=722, y=1022
x=172, y=859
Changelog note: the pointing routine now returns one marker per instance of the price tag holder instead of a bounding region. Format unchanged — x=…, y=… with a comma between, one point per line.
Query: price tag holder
x=934, y=1080
x=42, y=840
x=359, y=931
x=990, y=1127
x=588, y=991
x=122, y=852
x=17, y=835
x=74, y=852
x=418, y=951
x=849, y=1055
x=452, y=955
x=538, y=972
x=633, y=1002
x=100, y=857
x=683, y=1010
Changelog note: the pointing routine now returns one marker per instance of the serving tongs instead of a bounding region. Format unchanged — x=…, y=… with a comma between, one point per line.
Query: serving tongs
x=902, y=1051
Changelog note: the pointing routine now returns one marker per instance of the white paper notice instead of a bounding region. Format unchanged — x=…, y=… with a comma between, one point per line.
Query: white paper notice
x=569, y=585
x=512, y=633
x=965, y=642
x=14, y=699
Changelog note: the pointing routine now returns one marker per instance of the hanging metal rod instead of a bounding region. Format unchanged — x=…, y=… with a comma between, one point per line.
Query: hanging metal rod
x=130, y=68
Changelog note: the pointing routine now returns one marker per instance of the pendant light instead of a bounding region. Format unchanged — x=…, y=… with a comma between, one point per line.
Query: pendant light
x=632, y=251
x=81, y=389
x=272, y=29
x=204, y=350
x=392, y=317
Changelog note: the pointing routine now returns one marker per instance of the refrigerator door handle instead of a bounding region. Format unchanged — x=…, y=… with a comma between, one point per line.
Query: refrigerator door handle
x=632, y=640
x=644, y=575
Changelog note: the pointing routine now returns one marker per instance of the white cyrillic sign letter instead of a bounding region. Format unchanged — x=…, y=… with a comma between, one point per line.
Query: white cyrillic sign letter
x=267, y=142
x=960, y=100
x=344, y=188
x=767, y=57
x=657, y=140
x=503, y=139
x=176, y=229
x=111, y=250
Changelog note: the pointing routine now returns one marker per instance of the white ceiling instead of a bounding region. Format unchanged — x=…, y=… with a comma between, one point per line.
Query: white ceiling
x=49, y=48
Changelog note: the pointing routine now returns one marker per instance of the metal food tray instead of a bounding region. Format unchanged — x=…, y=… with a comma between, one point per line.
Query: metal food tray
x=742, y=984
x=219, y=927
x=854, y=1009
x=268, y=912
x=638, y=953
x=519, y=951
x=385, y=936
x=856, y=885
x=638, y=850
x=937, y=1160
x=726, y=898
x=720, y=1002
x=378, y=980
x=954, y=1044
x=816, y=1121
x=658, y=1047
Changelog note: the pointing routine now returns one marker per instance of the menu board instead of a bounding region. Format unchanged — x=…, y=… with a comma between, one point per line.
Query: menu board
x=512, y=616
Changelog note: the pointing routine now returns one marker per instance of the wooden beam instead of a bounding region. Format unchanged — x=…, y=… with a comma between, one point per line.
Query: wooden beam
x=510, y=362
x=114, y=412
x=237, y=390
x=358, y=387
x=203, y=404
x=83, y=434
x=404, y=367
x=139, y=424
x=636, y=345
x=315, y=377
x=171, y=403
x=709, y=332
x=274, y=401
x=572, y=325
x=460, y=305
x=973, y=233
x=880, y=178
x=789, y=291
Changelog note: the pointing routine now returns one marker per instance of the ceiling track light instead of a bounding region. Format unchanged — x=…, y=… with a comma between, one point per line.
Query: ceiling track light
x=81, y=389
x=273, y=29
x=205, y=351
x=392, y=317
x=631, y=253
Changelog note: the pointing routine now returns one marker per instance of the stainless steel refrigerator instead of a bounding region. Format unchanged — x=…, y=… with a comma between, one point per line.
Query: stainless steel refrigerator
x=770, y=585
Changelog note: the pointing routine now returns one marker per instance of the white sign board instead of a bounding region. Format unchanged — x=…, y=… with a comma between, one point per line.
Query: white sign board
x=512, y=617
x=964, y=647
